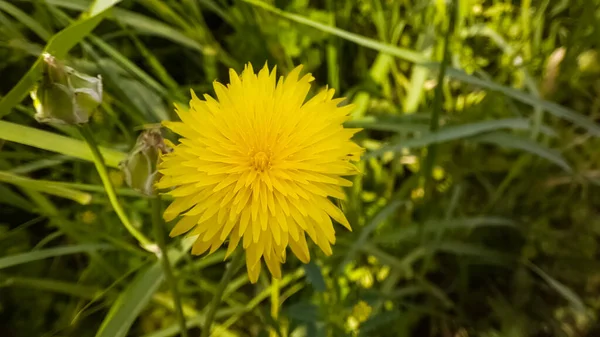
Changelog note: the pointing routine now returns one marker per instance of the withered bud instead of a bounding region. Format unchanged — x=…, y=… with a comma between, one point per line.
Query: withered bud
x=64, y=95
x=140, y=166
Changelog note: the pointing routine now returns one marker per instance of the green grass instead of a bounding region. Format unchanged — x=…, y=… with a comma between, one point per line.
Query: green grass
x=476, y=213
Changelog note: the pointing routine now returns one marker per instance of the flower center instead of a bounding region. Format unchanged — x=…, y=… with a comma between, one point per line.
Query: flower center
x=261, y=161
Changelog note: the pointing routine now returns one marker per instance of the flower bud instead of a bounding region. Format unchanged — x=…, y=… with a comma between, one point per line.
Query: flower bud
x=64, y=95
x=140, y=166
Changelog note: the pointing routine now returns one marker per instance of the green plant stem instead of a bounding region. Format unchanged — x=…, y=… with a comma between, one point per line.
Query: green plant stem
x=86, y=133
x=159, y=233
x=274, y=303
x=214, y=304
x=437, y=107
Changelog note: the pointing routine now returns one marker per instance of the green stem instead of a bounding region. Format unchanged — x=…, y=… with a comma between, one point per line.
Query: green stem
x=86, y=133
x=437, y=107
x=159, y=233
x=429, y=184
x=274, y=304
x=214, y=304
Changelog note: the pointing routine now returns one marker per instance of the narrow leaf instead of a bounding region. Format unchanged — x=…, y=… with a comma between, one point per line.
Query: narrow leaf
x=36, y=255
x=57, y=286
x=56, y=143
x=421, y=60
x=136, y=296
x=515, y=142
x=130, y=303
x=58, y=46
x=25, y=19
x=560, y=288
x=380, y=217
x=46, y=187
x=101, y=5
x=314, y=275
x=452, y=133
x=404, y=233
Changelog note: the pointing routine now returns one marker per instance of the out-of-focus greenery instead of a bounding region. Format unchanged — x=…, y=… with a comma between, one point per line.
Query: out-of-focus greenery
x=477, y=213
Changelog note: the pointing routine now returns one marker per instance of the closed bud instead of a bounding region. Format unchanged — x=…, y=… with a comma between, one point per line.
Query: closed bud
x=140, y=166
x=64, y=95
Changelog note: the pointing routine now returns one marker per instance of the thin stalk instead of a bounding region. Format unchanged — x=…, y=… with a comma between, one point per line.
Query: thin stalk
x=86, y=133
x=437, y=106
x=333, y=71
x=159, y=233
x=274, y=304
x=214, y=304
x=434, y=125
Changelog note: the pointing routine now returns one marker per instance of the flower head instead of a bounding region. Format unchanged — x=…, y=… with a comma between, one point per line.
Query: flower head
x=258, y=165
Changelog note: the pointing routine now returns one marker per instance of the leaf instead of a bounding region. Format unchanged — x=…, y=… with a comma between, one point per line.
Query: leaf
x=452, y=133
x=101, y=5
x=58, y=286
x=315, y=276
x=136, y=296
x=476, y=251
x=553, y=108
x=36, y=255
x=408, y=232
x=452, y=247
x=46, y=187
x=130, y=302
x=420, y=60
x=141, y=23
x=59, y=45
x=25, y=19
x=515, y=142
x=129, y=66
x=383, y=126
x=381, y=216
x=52, y=142
x=8, y=197
x=304, y=312
x=404, y=54
x=560, y=288
x=144, y=24
x=380, y=320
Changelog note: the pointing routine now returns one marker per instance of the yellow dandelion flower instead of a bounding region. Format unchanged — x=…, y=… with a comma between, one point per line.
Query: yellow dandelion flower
x=258, y=165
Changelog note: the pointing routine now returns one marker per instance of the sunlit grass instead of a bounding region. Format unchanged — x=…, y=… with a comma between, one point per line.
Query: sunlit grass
x=475, y=213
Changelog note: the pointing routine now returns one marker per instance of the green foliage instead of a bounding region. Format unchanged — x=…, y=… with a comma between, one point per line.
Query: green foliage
x=476, y=213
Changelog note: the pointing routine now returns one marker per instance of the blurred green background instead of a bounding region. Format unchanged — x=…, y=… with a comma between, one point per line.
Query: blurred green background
x=477, y=213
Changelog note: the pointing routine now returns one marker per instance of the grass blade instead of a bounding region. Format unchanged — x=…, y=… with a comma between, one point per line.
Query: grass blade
x=57, y=286
x=411, y=231
x=420, y=60
x=43, y=186
x=515, y=142
x=25, y=19
x=560, y=288
x=141, y=23
x=130, y=302
x=381, y=216
x=136, y=296
x=553, y=108
x=476, y=251
x=13, y=260
x=56, y=143
x=9, y=197
x=59, y=45
x=101, y=5
x=452, y=133
x=405, y=54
